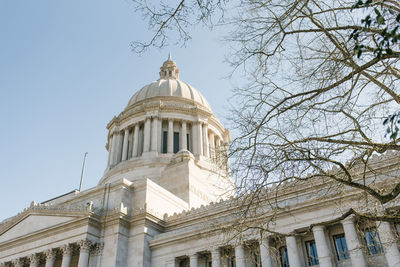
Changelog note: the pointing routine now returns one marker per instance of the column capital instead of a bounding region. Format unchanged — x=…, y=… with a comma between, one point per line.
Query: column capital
x=17, y=263
x=66, y=250
x=84, y=245
x=33, y=258
x=348, y=219
x=318, y=228
x=97, y=249
x=50, y=254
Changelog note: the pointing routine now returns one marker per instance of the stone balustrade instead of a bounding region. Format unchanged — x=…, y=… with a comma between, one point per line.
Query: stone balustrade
x=88, y=254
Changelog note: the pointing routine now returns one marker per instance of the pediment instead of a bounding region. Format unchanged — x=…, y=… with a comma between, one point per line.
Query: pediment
x=33, y=223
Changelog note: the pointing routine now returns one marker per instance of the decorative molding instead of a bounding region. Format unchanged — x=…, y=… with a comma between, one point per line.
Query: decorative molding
x=17, y=263
x=97, y=249
x=50, y=254
x=33, y=258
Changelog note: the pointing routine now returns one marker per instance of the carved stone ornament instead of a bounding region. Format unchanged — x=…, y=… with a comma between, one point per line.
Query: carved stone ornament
x=17, y=263
x=84, y=245
x=50, y=254
x=97, y=249
x=66, y=250
x=33, y=258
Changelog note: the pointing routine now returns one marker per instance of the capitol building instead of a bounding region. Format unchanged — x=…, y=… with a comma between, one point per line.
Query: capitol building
x=167, y=199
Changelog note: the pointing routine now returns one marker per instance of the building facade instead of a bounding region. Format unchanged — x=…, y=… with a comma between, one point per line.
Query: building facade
x=167, y=200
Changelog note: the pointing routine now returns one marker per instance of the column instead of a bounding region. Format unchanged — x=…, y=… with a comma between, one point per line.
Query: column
x=17, y=263
x=146, y=133
x=84, y=248
x=109, y=151
x=154, y=135
x=66, y=256
x=194, y=260
x=389, y=242
x=205, y=140
x=353, y=243
x=159, y=135
x=95, y=254
x=50, y=257
x=125, y=145
x=170, y=141
x=33, y=260
x=293, y=251
x=183, y=137
x=212, y=146
x=265, y=253
x=135, y=141
x=118, y=150
x=324, y=257
x=239, y=256
x=112, y=149
x=215, y=258
x=130, y=144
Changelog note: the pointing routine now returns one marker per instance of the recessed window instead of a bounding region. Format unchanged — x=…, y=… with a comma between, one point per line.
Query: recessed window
x=164, y=142
x=284, y=257
x=188, y=142
x=342, y=252
x=372, y=241
x=176, y=142
x=312, y=254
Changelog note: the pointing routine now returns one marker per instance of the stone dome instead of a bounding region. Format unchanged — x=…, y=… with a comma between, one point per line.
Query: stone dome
x=169, y=85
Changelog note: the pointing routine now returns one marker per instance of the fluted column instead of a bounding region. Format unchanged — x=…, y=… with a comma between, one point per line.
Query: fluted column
x=33, y=260
x=324, y=257
x=265, y=253
x=84, y=248
x=66, y=256
x=239, y=256
x=154, y=135
x=212, y=146
x=109, y=163
x=215, y=257
x=293, y=251
x=194, y=260
x=353, y=243
x=17, y=263
x=170, y=141
x=125, y=145
x=183, y=137
x=389, y=242
x=205, y=140
x=135, y=141
x=50, y=257
x=146, y=139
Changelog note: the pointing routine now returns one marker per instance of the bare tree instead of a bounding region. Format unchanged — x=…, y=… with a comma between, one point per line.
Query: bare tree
x=313, y=108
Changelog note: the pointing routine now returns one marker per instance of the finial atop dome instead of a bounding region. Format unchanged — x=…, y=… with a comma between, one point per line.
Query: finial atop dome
x=169, y=70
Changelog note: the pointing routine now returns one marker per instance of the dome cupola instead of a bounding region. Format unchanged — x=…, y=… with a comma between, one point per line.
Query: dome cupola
x=166, y=124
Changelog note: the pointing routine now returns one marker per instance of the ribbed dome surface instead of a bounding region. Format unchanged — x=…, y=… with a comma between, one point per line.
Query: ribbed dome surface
x=169, y=87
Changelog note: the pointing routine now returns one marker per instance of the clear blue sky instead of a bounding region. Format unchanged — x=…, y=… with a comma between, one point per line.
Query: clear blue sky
x=66, y=68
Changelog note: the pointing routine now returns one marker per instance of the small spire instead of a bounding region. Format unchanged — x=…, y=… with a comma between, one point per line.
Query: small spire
x=169, y=69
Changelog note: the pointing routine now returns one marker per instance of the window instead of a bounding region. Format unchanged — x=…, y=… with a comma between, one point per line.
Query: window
x=372, y=241
x=284, y=258
x=342, y=251
x=176, y=142
x=312, y=254
x=164, y=142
